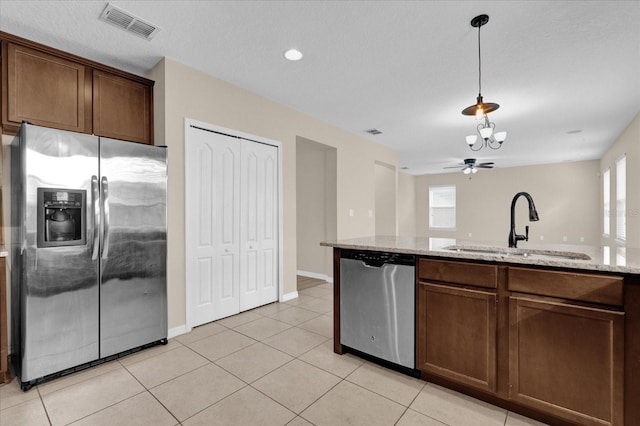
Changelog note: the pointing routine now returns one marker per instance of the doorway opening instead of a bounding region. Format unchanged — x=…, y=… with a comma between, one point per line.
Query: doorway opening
x=316, y=207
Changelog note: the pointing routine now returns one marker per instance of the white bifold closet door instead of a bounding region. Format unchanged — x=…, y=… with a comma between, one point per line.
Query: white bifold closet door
x=258, y=224
x=232, y=217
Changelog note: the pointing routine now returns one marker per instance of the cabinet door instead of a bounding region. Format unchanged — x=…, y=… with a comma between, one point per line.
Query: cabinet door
x=567, y=360
x=45, y=90
x=121, y=108
x=457, y=334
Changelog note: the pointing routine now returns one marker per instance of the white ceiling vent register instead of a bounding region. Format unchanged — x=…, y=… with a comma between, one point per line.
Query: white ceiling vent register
x=128, y=22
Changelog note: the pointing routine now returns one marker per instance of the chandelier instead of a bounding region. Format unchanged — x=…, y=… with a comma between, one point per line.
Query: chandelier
x=480, y=109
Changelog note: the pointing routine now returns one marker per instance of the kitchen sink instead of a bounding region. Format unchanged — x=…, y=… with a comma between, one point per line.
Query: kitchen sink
x=520, y=252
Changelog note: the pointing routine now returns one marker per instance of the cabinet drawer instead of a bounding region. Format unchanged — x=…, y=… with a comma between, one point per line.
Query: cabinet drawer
x=567, y=285
x=458, y=272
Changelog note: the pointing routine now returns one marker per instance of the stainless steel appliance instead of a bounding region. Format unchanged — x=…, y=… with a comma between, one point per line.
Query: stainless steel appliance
x=88, y=250
x=377, y=305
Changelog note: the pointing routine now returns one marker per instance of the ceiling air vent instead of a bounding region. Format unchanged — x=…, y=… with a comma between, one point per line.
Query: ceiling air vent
x=128, y=22
x=373, y=131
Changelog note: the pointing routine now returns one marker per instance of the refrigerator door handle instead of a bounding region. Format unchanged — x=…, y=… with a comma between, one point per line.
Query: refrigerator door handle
x=105, y=213
x=95, y=214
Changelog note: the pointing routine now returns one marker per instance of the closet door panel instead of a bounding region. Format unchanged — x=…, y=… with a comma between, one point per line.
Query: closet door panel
x=258, y=283
x=226, y=225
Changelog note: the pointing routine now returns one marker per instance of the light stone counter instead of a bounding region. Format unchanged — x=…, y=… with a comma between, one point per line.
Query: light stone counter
x=612, y=259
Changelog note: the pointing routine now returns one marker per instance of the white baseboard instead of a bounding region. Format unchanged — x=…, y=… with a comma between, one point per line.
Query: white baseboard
x=315, y=275
x=289, y=296
x=177, y=331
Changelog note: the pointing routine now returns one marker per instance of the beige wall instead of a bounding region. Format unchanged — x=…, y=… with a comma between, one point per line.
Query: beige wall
x=385, y=199
x=187, y=93
x=627, y=144
x=406, y=205
x=566, y=196
x=316, y=206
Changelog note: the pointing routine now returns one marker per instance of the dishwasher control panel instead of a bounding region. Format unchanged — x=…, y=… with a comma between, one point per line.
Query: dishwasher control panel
x=376, y=258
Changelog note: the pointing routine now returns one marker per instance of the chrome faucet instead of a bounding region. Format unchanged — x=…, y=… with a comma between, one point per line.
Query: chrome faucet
x=533, y=216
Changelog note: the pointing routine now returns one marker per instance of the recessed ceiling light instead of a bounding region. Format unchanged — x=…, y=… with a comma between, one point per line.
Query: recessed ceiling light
x=293, y=54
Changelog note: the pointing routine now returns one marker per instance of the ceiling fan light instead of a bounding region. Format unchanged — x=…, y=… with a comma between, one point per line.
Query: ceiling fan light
x=486, y=132
x=500, y=136
x=474, y=170
x=466, y=170
x=471, y=139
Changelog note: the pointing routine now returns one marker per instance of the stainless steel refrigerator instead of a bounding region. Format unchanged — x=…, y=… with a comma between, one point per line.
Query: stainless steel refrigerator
x=88, y=250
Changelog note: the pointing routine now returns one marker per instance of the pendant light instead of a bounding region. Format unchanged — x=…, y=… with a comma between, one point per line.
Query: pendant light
x=480, y=109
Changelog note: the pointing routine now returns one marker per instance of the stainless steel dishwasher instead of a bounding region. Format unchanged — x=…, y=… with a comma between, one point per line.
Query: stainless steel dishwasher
x=377, y=305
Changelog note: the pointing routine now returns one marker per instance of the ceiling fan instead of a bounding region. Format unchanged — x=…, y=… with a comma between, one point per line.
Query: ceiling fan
x=470, y=166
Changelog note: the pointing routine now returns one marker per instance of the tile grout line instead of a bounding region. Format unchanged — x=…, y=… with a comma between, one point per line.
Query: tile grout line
x=44, y=407
x=151, y=393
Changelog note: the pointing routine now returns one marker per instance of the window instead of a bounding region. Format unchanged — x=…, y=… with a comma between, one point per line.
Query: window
x=442, y=207
x=606, y=255
x=621, y=198
x=606, y=199
x=621, y=256
x=439, y=243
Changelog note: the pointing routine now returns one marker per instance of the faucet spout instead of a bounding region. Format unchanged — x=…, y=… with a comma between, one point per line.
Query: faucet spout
x=533, y=216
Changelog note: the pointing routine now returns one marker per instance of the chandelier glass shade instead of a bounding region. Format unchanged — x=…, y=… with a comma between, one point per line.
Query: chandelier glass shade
x=489, y=138
x=480, y=109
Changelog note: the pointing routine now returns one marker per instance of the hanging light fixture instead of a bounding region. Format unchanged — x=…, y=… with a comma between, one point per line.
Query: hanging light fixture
x=480, y=109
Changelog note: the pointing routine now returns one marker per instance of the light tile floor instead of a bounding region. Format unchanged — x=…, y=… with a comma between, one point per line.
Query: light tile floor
x=273, y=365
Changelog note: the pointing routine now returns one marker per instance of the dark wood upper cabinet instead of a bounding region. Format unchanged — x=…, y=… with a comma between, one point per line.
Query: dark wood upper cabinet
x=51, y=88
x=121, y=108
x=45, y=90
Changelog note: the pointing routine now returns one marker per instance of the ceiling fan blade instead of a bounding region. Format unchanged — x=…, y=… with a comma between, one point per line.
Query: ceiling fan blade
x=454, y=167
x=486, y=164
x=482, y=166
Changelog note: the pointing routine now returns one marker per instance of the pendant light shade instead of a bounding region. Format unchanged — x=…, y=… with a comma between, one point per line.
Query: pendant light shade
x=480, y=109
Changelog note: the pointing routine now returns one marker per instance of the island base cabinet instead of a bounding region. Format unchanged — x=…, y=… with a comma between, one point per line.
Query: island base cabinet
x=567, y=360
x=457, y=334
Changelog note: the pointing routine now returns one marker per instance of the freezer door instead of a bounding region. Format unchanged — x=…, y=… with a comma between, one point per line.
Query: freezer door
x=58, y=286
x=133, y=295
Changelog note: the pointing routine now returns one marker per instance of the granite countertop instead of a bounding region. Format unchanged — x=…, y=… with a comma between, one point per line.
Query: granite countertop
x=606, y=259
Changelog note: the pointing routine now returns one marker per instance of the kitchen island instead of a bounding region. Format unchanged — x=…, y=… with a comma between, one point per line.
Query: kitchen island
x=552, y=332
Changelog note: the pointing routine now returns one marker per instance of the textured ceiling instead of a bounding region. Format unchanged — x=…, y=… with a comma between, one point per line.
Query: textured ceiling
x=405, y=67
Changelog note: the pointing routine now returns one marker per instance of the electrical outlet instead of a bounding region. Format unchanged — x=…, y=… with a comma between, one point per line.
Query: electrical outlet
x=350, y=212
x=564, y=238
x=582, y=239
x=541, y=237
x=370, y=213
x=470, y=235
